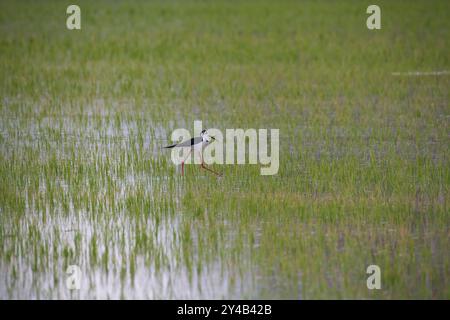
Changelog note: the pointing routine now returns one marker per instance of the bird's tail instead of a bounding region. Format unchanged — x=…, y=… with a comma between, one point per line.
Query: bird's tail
x=171, y=146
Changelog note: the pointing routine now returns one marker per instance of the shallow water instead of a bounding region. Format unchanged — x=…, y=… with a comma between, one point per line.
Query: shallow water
x=98, y=192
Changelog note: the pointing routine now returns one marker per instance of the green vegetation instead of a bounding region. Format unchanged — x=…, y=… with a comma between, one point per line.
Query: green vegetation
x=364, y=169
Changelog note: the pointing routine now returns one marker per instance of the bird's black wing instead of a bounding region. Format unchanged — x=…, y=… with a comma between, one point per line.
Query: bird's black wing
x=187, y=143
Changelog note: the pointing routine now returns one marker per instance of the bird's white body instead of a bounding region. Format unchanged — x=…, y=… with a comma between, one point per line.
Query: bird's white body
x=198, y=148
x=196, y=144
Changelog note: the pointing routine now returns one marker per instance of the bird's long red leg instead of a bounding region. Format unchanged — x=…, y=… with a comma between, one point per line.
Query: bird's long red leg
x=206, y=168
x=182, y=163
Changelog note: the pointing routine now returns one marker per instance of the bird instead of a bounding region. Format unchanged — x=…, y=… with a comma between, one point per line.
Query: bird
x=196, y=144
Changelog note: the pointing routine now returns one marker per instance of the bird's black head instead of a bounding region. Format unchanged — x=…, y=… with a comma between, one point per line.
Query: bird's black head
x=203, y=132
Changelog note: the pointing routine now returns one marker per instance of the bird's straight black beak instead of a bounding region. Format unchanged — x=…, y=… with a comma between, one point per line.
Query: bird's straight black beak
x=213, y=138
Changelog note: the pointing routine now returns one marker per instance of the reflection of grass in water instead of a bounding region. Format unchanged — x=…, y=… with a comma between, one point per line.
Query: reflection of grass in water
x=363, y=158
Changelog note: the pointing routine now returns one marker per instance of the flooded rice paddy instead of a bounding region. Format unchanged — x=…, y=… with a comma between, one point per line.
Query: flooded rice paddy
x=364, y=169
